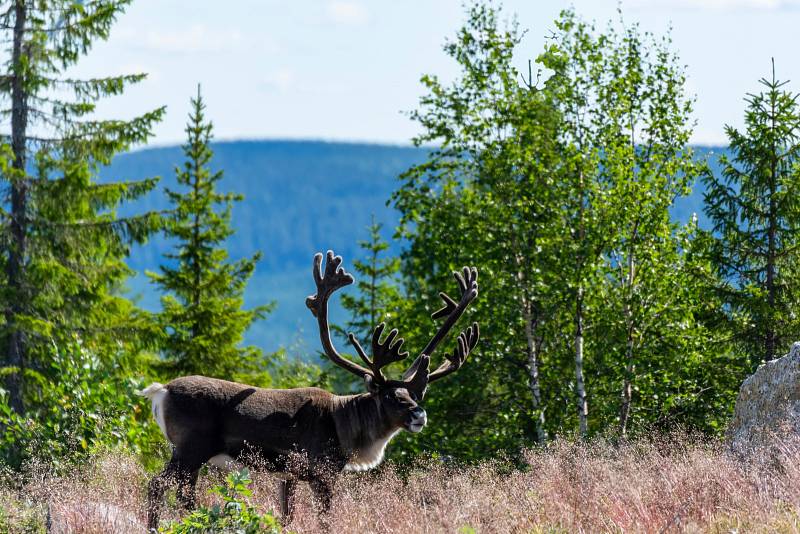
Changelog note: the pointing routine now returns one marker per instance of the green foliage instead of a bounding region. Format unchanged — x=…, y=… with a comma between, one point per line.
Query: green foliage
x=621, y=93
x=378, y=293
x=202, y=314
x=560, y=193
x=90, y=406
x=378, y=299
x=755, y=210
x=63, y=244
x=234, y=515
x=477, y=201
x=291, y=370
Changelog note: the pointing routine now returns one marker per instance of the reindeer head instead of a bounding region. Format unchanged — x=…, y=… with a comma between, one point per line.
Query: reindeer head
x=398, y=400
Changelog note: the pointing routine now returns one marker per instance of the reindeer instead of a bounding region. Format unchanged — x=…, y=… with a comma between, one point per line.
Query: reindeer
x=305, y=434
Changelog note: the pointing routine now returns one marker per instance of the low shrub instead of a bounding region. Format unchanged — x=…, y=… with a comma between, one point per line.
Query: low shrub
x=233, y=516
x=78, y=406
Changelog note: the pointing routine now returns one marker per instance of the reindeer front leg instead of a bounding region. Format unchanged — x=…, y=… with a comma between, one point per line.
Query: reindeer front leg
x=186, y=490
x=322, y=488
x=286, y=489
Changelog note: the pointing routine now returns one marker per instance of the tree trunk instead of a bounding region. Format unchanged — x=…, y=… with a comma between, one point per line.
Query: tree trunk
x=630, y=368
x=627, y=386
x=534, y=351
x=580, y=387
x=770, y=341
x=18, y=225
x=583, y=408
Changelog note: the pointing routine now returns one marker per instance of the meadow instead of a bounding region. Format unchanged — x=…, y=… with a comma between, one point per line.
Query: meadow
x=675, y=483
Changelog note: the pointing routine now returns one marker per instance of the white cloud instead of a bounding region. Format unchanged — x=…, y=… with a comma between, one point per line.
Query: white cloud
x=716, y=5
x=281, y=80
x=197, y=38
x=347, y=12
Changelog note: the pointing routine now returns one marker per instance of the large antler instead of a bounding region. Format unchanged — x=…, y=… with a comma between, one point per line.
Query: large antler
x=466, y=342
x=467, y=281
x=418, y=376
x=388, y=351
x=468, y=284
x=333, y=279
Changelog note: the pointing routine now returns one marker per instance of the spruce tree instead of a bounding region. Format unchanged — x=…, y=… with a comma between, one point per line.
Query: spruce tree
x=203, y=316
x=63, y=246
x=755, y=209
x=378, y=294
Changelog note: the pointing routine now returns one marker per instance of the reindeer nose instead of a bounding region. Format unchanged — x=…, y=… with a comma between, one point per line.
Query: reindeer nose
x=419, y=416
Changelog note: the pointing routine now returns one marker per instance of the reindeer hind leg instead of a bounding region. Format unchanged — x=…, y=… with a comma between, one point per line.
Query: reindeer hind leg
x=155, y=493
x=180, y=470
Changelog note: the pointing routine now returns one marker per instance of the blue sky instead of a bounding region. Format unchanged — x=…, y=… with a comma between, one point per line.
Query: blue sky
x=347, y=69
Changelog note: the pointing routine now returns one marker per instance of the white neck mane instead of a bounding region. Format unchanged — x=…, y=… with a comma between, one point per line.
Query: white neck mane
x=362, y=434
x=369, y=456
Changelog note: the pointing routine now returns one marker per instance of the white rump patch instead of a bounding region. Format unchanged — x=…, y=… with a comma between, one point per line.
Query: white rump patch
x=157, y=393
x=369, y=456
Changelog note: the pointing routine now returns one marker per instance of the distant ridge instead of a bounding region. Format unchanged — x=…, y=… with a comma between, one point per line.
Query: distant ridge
x=300, y=197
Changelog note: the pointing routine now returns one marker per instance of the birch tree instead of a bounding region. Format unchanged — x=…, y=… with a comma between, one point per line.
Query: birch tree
x=645, y=160
x=484, y=197
x=585, y=220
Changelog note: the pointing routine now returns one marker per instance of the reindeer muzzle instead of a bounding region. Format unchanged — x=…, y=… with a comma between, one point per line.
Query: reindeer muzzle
x=417, y=420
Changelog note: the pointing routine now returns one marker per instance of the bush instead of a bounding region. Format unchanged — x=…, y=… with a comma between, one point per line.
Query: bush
x=76, y=406
x=234, y=515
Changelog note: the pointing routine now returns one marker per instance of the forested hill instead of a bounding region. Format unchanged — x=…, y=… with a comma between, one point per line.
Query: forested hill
x=300, y=197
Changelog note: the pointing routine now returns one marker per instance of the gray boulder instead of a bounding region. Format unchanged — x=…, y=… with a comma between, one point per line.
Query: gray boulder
x=768, y=405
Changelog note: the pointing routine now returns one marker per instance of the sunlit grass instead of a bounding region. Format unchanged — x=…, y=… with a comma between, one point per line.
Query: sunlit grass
x=661, y=485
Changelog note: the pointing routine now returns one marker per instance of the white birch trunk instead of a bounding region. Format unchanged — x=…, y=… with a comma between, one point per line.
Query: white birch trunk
x=580, y=387
x=533, y=373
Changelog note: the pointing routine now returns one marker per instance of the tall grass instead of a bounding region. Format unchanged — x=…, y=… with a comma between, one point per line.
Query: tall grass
x=661, y=485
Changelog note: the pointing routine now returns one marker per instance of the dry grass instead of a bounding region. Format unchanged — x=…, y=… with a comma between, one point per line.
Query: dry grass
x=669, y=485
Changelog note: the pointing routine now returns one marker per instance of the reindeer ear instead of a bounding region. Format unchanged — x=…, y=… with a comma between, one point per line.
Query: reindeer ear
x=372, y=387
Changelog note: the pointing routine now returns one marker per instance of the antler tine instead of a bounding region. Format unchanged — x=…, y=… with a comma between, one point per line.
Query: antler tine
x=467, y=281
x=449, y=306
x=386, y=352
x=334, y=278
x=359, y=349
x=467, y=340
x=418, y=382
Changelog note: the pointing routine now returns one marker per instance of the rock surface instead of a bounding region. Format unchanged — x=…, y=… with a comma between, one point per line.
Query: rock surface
x=769, y=403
